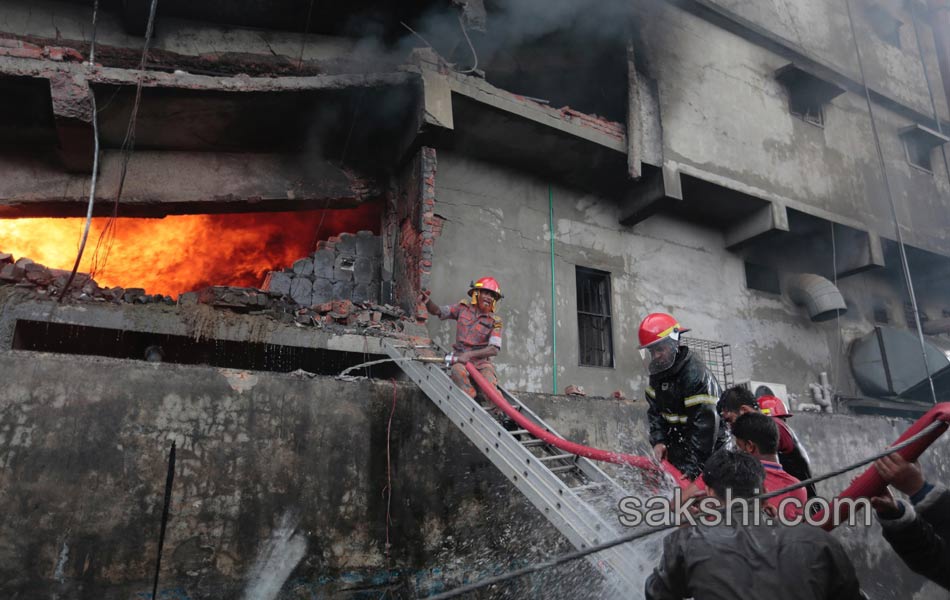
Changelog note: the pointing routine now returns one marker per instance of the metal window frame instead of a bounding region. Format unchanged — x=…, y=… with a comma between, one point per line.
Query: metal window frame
x=608, y=317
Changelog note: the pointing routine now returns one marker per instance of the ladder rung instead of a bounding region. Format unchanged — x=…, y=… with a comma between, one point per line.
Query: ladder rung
x=562, y=469
x=589, y=486
x=518, y=432
x=556, y=457
x=533, y=442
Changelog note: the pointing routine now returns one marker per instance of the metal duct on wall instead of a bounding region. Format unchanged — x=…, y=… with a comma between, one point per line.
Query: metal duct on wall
x=820, y=297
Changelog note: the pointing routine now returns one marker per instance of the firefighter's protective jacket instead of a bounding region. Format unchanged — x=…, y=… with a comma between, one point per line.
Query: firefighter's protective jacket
x=683, y=413
x=921, y=535
x=737, y=561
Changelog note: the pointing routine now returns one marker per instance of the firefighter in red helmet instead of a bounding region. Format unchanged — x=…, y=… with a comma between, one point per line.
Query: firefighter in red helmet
x=682, y=395
x=478, y=331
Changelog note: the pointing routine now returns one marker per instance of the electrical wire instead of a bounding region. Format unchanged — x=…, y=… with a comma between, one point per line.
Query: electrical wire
x=470, y=46
x=127, y=148
x=572, y=556
x=388, y=489
x=890, y=196
x=95, y=163
x=303, y=40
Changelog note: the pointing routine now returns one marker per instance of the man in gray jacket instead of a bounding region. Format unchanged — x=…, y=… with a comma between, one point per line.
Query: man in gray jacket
x=745, y=561
x=919, y=531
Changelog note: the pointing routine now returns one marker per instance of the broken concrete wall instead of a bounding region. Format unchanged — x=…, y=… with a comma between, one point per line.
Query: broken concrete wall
x=412, y=227
x=84, y=464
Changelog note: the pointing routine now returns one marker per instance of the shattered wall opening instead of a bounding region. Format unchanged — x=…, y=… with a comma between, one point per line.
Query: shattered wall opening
x=182, y=253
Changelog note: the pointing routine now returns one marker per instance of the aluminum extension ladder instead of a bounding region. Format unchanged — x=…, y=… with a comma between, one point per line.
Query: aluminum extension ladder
x=556, y=483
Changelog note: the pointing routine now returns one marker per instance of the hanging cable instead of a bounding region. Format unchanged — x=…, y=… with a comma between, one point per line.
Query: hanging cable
x=470, y=47
x=128, y=146
x=303, y=40
x=95, y=162
x=905, y=267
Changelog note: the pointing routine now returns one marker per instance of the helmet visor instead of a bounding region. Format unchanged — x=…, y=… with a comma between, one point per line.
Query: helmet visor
x=661, y=355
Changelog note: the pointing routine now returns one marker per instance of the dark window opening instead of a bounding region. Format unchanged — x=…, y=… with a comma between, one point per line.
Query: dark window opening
x=593, y=318
x=806, y=108
x=63, y=338
x=918, y=154
x=885, y=25
x=880, y=315
x=762, y=278
x=807, y=93
x=919, y=142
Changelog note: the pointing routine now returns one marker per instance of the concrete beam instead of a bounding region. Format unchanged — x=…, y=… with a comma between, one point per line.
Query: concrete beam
x=441, y=84
x=634, y=121
x=437, y=100
x=161, y=183
x=856, y=251
x=45, y=69
x=656, y=188
x=72, y=116
x=767, y=220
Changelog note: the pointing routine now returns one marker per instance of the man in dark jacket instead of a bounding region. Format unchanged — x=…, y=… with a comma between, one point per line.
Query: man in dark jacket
x=739, y=561
x=682, y=397
x=919, y=531
x=737, y=401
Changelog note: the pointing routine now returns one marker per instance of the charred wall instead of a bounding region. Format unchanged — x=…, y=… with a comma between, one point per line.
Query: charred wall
x=412, y=227
x=84, y=445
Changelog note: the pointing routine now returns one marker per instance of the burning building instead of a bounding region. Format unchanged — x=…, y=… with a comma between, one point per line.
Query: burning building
x=275, y=184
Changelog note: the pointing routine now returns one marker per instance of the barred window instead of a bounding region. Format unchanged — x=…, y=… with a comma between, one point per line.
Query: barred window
x=593, y=318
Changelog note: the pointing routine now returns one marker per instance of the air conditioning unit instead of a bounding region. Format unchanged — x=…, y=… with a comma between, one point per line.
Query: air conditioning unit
x=775, y=389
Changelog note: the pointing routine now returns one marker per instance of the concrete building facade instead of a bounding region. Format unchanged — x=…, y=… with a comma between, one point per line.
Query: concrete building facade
x=744, y=165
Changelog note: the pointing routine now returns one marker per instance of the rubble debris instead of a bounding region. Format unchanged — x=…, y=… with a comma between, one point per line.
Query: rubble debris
x=574, y=390
x=300, y=295
x=343, y=266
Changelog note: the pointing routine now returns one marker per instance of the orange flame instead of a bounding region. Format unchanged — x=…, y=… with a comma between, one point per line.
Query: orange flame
x=181, y=253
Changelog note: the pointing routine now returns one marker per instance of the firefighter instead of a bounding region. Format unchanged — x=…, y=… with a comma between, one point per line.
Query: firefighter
x=478, y=331
x=743, y=558
x=682, y=395
x=794, y=459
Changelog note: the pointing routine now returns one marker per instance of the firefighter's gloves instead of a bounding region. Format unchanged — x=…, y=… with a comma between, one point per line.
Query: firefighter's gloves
x=460, y=358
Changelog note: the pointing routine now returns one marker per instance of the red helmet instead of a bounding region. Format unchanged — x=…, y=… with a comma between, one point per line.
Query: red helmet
x=773, y=407
x=657, y=326
x=486, y=283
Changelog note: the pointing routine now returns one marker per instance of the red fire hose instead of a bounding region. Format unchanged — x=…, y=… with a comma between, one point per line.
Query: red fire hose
x=617, y=458
x=870, y=483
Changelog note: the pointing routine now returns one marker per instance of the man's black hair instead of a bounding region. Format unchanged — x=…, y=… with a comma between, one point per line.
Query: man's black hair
x=734, y=470
x=735, y=397
x=759, y=429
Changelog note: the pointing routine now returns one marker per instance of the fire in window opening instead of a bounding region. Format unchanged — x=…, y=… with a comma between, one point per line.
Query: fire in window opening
x=180, y=253
x=595, y=333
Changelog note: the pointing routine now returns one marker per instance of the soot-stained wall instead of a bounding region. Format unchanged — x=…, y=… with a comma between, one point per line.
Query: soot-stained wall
x=297, y=467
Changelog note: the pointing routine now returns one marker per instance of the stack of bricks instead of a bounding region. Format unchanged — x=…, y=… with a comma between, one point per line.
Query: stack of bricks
x=345, y=267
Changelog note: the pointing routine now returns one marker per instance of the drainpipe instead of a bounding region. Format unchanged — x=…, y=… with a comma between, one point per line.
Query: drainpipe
x=553, y=295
